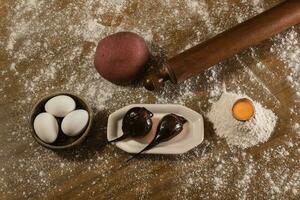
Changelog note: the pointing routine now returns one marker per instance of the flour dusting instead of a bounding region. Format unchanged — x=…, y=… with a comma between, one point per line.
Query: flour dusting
x=48, y=46
x=242, y=134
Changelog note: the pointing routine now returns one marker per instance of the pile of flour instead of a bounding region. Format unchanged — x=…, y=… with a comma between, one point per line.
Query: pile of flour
x=242, y=134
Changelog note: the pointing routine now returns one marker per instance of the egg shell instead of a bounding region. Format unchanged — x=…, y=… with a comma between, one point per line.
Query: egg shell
x=75, y=122
x=46, y=127
x=60, y=105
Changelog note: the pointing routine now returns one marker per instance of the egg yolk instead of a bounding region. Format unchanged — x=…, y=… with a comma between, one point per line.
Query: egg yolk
x=243, y=109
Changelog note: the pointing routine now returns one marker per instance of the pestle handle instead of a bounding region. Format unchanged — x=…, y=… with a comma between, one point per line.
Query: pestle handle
x=226, y=44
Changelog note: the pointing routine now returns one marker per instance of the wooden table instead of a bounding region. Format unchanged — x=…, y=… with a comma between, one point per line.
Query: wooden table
x=48, y=46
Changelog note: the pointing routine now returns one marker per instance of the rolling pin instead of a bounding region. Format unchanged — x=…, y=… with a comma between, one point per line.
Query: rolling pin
x=199, y=58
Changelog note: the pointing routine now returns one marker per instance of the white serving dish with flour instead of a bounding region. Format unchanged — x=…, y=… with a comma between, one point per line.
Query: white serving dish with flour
x=191, y=136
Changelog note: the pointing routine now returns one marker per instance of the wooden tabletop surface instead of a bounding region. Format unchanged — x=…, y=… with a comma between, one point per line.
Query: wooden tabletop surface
x=48, y=46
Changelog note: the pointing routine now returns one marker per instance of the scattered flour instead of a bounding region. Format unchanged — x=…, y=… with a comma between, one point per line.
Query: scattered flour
x=242, y=134
x=49, y=46
x=287, y=48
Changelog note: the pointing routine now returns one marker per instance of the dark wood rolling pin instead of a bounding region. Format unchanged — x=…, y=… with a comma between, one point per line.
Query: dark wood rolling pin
x=249, y=33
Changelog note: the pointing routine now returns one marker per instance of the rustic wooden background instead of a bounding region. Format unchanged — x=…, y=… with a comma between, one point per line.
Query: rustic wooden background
x=48, y=46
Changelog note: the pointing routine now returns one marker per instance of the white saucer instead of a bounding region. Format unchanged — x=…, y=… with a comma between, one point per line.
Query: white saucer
x=191, y=136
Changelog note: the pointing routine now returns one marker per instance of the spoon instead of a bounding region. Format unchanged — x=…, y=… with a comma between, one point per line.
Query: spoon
x=136, y=123
x=169, y=126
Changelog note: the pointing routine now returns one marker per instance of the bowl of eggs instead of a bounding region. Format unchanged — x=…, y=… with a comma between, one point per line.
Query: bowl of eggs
x=60, y=121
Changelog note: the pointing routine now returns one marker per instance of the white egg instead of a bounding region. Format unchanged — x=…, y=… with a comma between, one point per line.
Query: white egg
x=60, y=105
x=75, y=122
x=46, y=127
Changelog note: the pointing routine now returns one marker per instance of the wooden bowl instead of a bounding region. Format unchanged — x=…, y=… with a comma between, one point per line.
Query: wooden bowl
x=63, y=141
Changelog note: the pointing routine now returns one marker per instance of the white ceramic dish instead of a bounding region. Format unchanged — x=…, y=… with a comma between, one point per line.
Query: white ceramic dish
x=191, y=136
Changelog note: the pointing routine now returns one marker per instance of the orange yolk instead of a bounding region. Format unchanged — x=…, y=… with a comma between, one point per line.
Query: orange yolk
x=243, y=109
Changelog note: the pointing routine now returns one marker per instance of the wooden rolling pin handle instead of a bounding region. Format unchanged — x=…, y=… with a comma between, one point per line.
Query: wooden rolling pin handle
x=156, y=80
x=249, y=33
